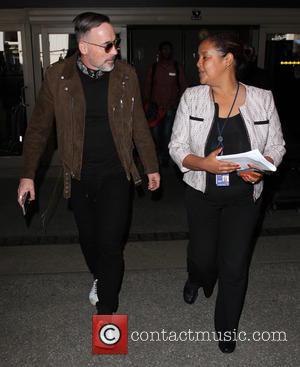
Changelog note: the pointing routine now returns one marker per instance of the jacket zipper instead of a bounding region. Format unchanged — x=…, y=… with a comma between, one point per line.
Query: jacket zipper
x=119, y=147
x=131, y=120
x=122, y=142
x=122, y=123
x=72, y=130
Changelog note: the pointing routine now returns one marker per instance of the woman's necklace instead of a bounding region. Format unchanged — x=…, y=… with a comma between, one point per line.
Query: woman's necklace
x=220, y=130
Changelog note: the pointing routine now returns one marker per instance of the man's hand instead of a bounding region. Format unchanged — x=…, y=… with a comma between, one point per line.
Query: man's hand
x=153, y=181
x=212, y=165
x=25, y=185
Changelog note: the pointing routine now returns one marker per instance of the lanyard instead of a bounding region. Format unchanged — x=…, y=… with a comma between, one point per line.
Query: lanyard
x=220, y=130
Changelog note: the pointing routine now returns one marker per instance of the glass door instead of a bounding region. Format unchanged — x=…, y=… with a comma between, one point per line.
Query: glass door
x=57, y=43
x=282, y=61
x=283, y=64
x=13, y=92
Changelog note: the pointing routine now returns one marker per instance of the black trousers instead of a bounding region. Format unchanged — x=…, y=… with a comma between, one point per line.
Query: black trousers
x=220, y=245
x=101, y=206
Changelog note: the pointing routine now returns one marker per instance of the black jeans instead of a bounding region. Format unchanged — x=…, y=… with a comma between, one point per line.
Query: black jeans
x=101, y=206
x=221, y=235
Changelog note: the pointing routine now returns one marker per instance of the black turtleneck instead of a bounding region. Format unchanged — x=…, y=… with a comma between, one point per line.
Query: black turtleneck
x=99, y=152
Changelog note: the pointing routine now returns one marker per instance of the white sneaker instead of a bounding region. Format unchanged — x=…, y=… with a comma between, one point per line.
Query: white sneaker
x=93, y=297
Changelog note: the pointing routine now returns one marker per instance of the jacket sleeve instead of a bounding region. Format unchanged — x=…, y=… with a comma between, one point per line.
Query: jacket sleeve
x=38, y=130
x=275, y=143
x=141, y=133
x=179, y=144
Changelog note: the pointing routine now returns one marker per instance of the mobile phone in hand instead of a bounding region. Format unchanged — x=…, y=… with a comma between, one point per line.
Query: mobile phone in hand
x=25, y=202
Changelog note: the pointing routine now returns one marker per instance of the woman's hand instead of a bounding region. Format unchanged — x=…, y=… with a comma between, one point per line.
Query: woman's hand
x=212, y=165
x=251, y=176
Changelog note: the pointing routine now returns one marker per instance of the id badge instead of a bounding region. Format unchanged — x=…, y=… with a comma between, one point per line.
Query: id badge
x=222, y=180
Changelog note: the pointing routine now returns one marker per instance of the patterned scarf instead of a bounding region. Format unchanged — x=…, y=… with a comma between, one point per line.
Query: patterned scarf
x=95, y=74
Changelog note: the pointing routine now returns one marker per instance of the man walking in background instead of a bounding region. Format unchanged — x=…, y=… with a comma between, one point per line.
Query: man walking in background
x=165, y=83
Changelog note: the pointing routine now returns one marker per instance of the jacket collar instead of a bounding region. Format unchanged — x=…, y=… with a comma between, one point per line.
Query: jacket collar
x=248, y=91
x=117, y=80
x=70, y=68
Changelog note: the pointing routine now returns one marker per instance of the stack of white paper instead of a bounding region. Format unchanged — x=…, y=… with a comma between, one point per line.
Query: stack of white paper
x=251, y=157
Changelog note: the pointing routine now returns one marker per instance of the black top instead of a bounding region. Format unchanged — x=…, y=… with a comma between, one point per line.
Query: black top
x=99, y=152
x=235, y=140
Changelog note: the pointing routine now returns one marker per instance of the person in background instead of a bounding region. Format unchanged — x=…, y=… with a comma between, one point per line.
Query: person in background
x=164, y=85
x=251, y=73
x=95, y=100
x=222, y=116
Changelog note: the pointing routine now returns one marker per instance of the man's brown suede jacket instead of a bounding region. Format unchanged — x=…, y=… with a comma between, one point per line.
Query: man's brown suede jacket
x=61, y=99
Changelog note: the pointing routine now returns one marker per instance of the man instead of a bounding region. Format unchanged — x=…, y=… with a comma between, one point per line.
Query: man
x=165, y=83
x=95, y=100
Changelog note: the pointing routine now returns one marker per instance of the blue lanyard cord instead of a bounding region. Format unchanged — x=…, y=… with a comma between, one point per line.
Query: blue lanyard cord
x=220, y=130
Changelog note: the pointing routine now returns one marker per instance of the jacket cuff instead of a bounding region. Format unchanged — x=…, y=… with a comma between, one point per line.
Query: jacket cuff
x=26, y=173
x=179, y=158
x=152, y=169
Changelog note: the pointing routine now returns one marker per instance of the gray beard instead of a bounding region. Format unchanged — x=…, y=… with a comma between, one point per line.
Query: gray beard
x=107, y=68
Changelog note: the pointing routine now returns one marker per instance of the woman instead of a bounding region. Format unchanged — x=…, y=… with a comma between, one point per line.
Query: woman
x=222, y=116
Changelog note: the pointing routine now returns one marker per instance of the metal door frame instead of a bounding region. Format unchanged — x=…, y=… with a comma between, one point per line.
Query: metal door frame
x=274, y=28
x=27, y=62
x=61, y=29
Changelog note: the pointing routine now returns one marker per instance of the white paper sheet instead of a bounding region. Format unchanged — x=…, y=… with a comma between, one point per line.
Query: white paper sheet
x=251, y=157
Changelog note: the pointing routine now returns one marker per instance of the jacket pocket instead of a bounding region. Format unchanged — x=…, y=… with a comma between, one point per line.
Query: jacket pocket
x=265, y=122
x=194, y=118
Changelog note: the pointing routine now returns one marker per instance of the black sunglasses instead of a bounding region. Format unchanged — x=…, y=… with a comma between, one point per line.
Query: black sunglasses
x=108, y=46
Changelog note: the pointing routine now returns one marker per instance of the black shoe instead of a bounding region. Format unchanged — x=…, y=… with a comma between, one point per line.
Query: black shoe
x=227, y=346
x=208, y=291
x=190, y=292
